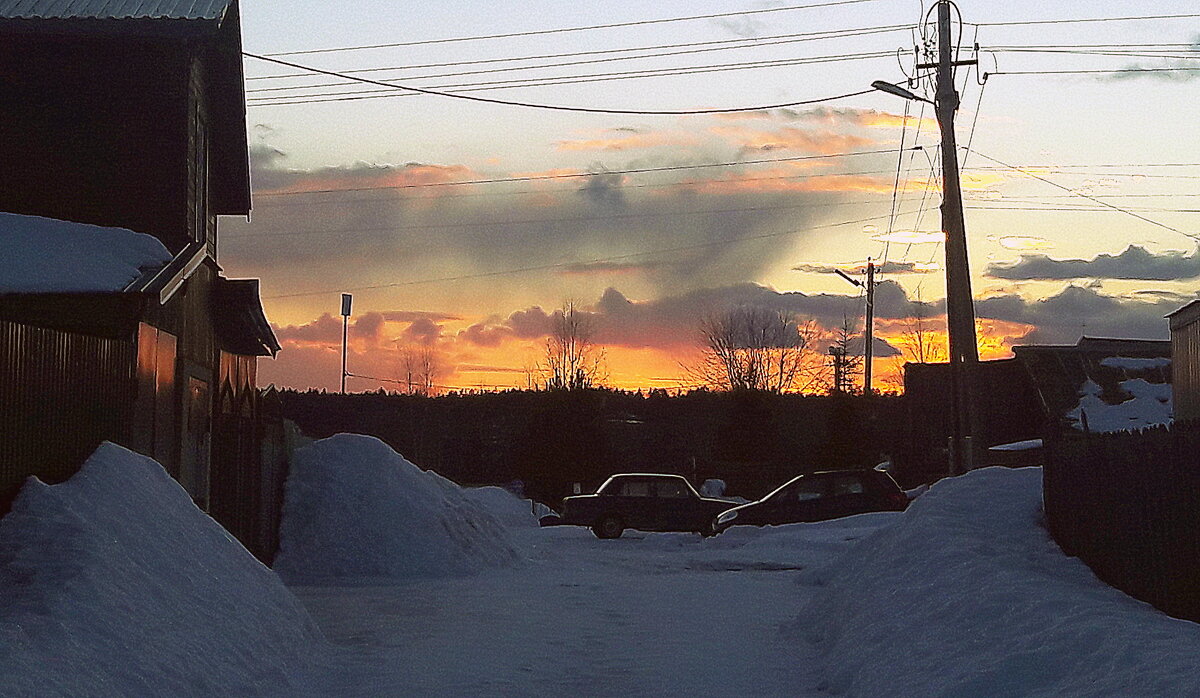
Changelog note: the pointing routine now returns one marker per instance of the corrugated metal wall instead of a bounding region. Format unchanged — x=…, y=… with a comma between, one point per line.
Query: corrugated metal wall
x=61, y=394
x=1185, y=353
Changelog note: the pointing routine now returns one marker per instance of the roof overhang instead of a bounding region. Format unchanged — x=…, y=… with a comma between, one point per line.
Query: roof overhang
x=242, y=326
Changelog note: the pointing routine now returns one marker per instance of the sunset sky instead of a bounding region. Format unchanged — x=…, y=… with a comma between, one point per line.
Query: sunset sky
x=747, y=208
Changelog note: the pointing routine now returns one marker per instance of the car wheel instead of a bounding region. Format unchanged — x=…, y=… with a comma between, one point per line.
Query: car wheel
x=608, y=527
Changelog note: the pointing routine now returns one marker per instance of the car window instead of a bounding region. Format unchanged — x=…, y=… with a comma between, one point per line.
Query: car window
x=672, y=488
x=808, y=491
x=847, y=485
x=635, y=488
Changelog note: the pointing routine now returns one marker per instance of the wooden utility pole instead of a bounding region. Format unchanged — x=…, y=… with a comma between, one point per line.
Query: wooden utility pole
x=869, y=340
x=960, y=308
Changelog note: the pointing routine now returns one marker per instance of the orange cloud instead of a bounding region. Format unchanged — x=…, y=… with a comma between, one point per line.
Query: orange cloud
x=790, y=138
x=628, y=141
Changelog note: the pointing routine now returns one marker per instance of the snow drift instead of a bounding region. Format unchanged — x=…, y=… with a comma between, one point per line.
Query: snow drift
x=966, y=594
x=509, y=509
x=114, y=583
x=356, y=508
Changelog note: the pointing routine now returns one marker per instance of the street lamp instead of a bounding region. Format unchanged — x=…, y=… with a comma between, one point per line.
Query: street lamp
x=884, y=86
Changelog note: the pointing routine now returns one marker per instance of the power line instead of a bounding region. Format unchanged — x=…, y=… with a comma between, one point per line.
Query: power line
x=587, y=77
x=558, y=107
x=559, y=265
x=1094, y=70
x=1091, y=198
x=562, y=30
x=1084, y=20
x=576, y=175
x=709, y=46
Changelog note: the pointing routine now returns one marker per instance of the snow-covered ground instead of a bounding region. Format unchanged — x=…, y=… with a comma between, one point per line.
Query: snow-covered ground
x=113, y=584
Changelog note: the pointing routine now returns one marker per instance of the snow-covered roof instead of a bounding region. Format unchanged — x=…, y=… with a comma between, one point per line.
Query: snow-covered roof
x=46, y=255
x=113, y=9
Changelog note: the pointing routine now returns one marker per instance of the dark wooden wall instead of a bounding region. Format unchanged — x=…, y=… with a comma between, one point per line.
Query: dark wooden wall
x=61, y=395
x=96, y=131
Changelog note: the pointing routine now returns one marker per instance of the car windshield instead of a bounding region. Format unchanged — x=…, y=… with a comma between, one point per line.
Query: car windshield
x=781, y=488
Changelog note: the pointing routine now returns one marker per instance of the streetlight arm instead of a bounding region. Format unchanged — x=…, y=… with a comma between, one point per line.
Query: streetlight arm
x=884, y=86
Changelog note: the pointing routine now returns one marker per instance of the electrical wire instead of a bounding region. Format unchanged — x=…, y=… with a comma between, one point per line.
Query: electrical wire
x=559, y=107
x=1083, y=20
x=1091, y=198
x=562, y=30
x=708, y=46
x=550, y=80
x=578, y=76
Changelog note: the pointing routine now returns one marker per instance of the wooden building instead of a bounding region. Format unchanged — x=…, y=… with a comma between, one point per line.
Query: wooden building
x=1185, y=359
x=129, y=114
x=1017, y=399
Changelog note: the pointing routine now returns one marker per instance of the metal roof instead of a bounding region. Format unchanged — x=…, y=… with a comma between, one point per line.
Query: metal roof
x=113, y=9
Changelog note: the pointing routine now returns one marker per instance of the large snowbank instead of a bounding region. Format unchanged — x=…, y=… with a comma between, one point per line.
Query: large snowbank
x=356, y=508
x=949, y=602
x=509, y=509
x=1148, y=405
x=45, y=255
x=114, y=583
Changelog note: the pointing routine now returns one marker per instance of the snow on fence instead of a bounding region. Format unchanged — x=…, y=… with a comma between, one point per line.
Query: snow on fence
x=1125, y=503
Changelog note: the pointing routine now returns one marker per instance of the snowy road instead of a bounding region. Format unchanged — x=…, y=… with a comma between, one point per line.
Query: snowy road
x=657, y=614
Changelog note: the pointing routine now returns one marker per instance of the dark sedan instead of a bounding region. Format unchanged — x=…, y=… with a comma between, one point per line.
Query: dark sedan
x=642, y=501
x=817, y=497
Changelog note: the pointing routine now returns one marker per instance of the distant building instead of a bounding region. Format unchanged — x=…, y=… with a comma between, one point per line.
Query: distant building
x=1185, y=353
x=1099, y=384
x=129, y=115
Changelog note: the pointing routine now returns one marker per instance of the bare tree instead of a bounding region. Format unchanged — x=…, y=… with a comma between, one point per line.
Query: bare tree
x=756, y=348
x=572, y=361
x=920, y=341
x=419, y=368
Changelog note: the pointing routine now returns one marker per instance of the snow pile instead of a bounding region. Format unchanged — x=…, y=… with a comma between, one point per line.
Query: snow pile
x=45, y=255
x=356, y=508
x=509, y=509
x=948, y=602
x=114, y=583
x=1130, y=363
x=1149, y=405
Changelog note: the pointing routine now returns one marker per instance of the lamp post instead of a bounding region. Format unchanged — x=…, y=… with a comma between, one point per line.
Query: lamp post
x=960, y=308
x=346, y=301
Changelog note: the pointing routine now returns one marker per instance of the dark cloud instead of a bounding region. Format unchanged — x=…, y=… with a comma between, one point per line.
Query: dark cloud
x=397, y=233
x=328, y=329
x=1077, y=311
x=422, y=331
x=1134, y=263
x=604, y=189
x=415, y=315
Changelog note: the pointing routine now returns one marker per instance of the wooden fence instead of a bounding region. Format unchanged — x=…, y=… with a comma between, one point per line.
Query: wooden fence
x=61, y=395
x=1128, y=505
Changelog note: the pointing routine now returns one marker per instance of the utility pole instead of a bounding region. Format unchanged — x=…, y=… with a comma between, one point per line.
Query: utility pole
x=960, y=308
x=869, y=340
x=346, y=301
